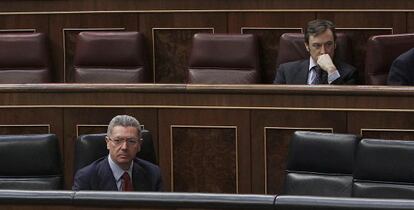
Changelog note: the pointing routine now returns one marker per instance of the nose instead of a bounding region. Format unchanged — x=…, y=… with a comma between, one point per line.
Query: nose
x=323, y=50
x=124, y=145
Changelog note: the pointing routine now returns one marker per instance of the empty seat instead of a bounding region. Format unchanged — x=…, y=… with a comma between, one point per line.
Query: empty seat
x=382, y=50
x=292, y=48
x=91, y=147
x=110, y=57
x=30, y=162
x=320, y=164
x=224, y=59
x=24, y=58
x=384, y=169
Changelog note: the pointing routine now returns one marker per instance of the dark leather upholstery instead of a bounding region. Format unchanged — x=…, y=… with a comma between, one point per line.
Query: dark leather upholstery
x=24, y=58
x=30, y=162
x=91, y=147
x=384, y=169
x=320, y=164
x=286, y=202
x=382, y=50
x=225, y=59
x=292, y=48
x=110, y=57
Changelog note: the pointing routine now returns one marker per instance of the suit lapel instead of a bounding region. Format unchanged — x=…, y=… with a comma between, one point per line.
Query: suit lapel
x=302, y=76
x=140, y=179
x=106, y=177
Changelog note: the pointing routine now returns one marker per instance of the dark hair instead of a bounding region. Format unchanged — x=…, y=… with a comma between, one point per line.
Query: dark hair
x=318, y=26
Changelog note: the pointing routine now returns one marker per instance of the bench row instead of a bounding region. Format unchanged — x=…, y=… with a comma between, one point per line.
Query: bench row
x=33, y=162
x=342, y=165
x=122, y=57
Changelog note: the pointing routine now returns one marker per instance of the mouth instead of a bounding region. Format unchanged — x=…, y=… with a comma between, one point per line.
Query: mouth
x=124, y=156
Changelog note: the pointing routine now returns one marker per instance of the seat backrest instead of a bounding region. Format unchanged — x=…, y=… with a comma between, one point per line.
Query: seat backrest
x=30, y=162
x=320, y=164
x=24, y=58
x=289, y=202
x=91, y=147
x=225, y=59
x=110, y=57
x=292, y=48
x=382, y=50
x=384, y=169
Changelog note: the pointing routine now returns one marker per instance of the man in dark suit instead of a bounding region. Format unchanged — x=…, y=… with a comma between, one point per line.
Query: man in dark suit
x=120, y=170
x=402, y=69
x=321, y=67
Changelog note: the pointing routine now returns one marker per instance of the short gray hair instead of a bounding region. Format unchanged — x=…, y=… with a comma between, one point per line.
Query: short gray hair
x=124, y=121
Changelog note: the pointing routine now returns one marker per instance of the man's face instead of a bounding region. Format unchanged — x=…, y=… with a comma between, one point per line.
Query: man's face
x=321, y=44
x=123, y=145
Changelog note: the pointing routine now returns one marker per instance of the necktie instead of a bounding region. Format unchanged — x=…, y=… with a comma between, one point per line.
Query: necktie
x=323, y=78
x=127, y=184
x=317, y=75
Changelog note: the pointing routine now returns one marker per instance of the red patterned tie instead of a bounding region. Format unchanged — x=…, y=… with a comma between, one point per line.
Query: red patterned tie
x=127, y=182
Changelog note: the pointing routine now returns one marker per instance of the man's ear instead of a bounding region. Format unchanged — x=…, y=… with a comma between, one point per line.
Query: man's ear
x=107, y=142
x=306, y=46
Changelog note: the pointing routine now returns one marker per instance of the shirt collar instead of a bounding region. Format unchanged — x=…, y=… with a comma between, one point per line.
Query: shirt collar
x=118, y=171
x=311, y=63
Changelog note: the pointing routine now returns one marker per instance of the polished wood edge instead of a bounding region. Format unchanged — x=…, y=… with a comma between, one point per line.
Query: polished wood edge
x=201, y=11
x=212, y=88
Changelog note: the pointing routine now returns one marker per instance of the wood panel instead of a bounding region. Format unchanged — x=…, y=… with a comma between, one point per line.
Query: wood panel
x=241, y=131
x=39, y=23
x=388, y=125
x=24, y=129
x=107, y=5
x=197, y=151
x=410, y=23
x=388, y=134
x=171, y=40
x=32, y=121
x=169, y=136
x=172, y=49
x=271, y=133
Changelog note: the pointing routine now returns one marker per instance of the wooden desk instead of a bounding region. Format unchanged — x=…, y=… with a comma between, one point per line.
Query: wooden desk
x=210, y=138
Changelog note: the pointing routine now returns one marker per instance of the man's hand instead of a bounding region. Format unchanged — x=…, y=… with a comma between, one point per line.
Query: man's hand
x=326, y=64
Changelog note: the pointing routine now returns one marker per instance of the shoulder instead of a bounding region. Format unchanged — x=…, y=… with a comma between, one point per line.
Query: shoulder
x=146, y=165
x=148, y=168
x=406, y=56
x=294, y=64
x=344, y=67
x=86, y=176
x=93, y=167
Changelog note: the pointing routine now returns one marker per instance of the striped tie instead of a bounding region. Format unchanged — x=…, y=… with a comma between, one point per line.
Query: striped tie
x=317, y=75
x=127, y=184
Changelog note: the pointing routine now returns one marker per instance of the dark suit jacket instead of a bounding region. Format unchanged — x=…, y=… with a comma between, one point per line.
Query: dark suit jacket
x=296, y=72
x=98, y=176
x=402, y=69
